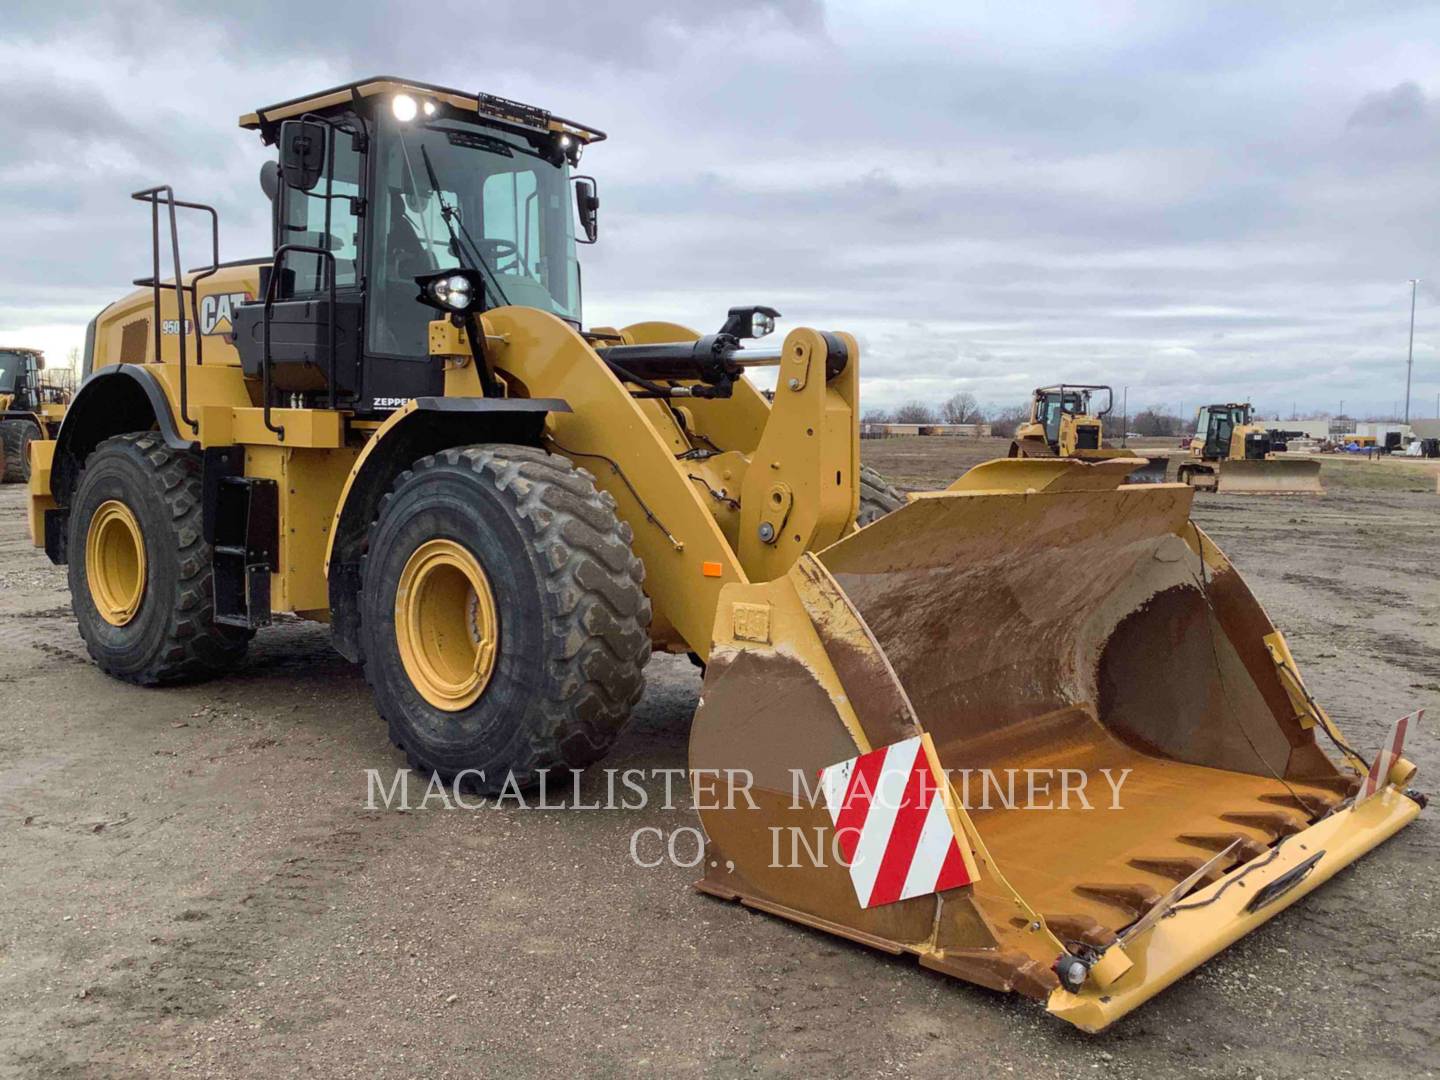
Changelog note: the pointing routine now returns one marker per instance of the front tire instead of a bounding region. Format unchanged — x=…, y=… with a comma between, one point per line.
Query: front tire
x=503, y=623
x=877, y=497
x=16, y=437
x=139, y=567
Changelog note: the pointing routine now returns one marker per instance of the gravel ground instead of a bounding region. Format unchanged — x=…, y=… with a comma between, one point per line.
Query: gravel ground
x=190, y=879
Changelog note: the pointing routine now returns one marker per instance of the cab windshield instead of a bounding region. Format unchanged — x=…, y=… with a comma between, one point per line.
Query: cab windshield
x=508, y=204
x=11, y=363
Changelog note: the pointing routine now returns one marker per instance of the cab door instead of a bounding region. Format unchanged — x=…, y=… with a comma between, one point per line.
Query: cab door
x=1217, y=434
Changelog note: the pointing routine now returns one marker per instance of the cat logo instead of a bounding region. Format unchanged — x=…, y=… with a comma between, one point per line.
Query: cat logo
x=218, y=310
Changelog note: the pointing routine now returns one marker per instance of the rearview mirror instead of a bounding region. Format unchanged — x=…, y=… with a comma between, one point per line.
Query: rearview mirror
x=302, y=153
x=587, y=204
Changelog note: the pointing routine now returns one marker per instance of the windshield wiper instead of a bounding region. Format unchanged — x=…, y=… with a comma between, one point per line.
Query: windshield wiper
x=451, y=216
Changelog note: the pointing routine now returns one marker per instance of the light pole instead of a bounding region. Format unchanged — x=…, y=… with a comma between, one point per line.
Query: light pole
x=1124, y=415
x=1410, y=356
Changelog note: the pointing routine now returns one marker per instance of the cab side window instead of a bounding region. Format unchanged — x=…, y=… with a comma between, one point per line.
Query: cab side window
x=304, y=221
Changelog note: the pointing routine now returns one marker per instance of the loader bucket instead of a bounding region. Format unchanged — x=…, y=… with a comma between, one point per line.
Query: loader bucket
x=1040, y=630
x=1271, y=476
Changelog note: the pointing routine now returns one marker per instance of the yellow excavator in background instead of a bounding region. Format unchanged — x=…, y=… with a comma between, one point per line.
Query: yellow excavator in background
x=32, y=404
x=397, y=424
x=1063, y=424
x=1231, y=455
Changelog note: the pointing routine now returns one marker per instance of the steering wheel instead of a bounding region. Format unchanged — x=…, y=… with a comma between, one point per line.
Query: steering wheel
x=502, y=255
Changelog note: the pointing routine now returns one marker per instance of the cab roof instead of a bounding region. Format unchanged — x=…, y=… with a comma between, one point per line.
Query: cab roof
x=501, y=110
x=21, y=348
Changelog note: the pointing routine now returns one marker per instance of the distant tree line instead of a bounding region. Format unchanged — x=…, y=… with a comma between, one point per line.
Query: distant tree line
x=962, y=408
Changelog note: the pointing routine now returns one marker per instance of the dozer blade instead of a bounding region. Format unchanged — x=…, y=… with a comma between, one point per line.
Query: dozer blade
x=1272, y=476
x=1152, y=472
x=1106, y=709
x=1144, y=469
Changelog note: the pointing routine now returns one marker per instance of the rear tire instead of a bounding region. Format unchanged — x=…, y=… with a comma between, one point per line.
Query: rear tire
x=557, y=618
x=16, y=436
x=877, y=497
x=135, y=525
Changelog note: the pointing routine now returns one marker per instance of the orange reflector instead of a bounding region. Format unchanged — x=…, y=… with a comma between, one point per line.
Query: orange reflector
x=712, y=569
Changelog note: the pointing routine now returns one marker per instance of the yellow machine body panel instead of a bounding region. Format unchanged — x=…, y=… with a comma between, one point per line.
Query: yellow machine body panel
x=125, y=333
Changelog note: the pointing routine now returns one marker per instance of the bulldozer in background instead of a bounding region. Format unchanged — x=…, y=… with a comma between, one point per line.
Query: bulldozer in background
x=32, y=404
x=1232, y=455
x=397, y=424
x=1062, y=424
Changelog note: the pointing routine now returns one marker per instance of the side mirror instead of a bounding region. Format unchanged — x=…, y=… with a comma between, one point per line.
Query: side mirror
x=39, y=363
x=587, y=204
x=302, y=153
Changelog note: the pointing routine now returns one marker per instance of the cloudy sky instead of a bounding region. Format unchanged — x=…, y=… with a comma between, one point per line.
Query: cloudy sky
x=1198, y=201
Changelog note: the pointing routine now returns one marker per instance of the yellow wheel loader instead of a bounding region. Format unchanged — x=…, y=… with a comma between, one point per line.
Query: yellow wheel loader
x=1233, y=456
x=398, y=424
x=32, y=405
x=1063, y=424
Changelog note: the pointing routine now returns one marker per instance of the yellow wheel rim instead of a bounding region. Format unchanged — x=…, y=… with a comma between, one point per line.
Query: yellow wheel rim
x=115, y=562
x=445, y=625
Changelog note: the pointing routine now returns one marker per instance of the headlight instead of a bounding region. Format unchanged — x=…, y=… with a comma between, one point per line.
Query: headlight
x=429, y=108
x=762, y=324
x=454, y=292
x=404, y=107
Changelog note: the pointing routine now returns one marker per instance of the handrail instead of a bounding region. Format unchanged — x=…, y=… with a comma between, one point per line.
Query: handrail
x=153, y=197
x=266, y=361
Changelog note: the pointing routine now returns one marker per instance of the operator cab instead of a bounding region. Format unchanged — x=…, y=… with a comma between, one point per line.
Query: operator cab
x=20, y=373
x=392, y=199
x=1215, y=425
x=1052, y=404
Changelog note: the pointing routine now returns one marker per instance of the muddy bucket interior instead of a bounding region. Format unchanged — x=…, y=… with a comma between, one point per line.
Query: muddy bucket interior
x=1271, y=476
x=1080, y=641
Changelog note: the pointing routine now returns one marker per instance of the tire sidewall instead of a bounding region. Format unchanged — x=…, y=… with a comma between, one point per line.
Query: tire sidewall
x=454, y=502
x=28, y=434
x=117, y=471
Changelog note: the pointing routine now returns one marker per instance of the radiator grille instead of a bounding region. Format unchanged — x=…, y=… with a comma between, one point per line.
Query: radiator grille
x=134, y=341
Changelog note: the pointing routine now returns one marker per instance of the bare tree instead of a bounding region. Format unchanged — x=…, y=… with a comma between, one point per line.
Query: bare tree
x=876, y=416
x=914, y=412
x=1003, y=422
x=961, y=408
x=1156, y=421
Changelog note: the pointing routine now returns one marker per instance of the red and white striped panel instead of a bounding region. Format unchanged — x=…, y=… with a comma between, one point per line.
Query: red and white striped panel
x=891, y=825
x=1389, y=754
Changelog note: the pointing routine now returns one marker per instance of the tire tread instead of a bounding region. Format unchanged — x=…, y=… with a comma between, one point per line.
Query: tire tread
x=599, y=642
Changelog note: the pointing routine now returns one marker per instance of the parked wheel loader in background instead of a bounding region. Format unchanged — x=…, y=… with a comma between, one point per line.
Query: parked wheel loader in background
x=31, y=407
x=1232, y=455
x=1062, y=424
x=399, y=425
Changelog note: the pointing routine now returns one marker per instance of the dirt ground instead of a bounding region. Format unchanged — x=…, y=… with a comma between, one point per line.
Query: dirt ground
x=190, y=880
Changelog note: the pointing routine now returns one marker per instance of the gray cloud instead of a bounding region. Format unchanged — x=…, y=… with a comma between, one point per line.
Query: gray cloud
x=1403, y=104
x=1190, y=200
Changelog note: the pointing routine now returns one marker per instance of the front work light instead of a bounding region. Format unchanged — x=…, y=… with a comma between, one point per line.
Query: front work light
x=404, y=107
x=451, y=291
